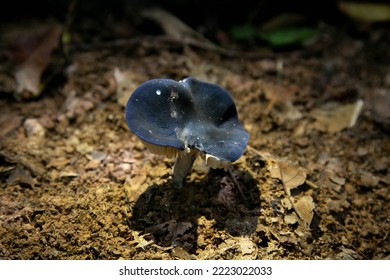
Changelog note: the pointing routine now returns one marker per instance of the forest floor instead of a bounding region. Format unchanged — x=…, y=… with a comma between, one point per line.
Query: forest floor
x=313, y=183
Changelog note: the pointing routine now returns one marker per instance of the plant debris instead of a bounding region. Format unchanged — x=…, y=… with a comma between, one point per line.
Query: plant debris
x=313, y=182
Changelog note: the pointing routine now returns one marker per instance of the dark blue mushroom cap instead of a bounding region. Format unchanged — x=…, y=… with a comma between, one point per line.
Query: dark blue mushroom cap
x=187, y=114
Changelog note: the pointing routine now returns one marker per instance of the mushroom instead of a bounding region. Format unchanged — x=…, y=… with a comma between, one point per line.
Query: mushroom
x=186, y=119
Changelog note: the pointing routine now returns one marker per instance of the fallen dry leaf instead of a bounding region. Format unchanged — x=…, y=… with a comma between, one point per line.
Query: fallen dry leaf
x=366, y=11
x=291, y=219
x=28, y=71
x=21, y=176
x=304, y=207
x=337, y=205
x=181, y=254
x=140, y=240
x=174, y=27
x=378, y=105
x=284, y=96
x=58, y=163
x=334, y=117
x=179, y=228
x=291, y=176
x=9, y=123
x=248, y=248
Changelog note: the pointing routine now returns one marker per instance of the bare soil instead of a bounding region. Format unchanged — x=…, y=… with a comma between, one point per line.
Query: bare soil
x=76, y=184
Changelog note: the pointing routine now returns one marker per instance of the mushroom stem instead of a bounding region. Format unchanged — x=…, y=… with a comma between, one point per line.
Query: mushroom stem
x=183, y=166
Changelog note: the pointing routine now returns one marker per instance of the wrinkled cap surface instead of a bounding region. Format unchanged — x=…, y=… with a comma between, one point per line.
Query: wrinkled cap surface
x=187, y=114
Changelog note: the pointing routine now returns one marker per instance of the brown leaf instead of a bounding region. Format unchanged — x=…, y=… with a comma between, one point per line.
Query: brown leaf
x=365, y=12
x=29, y=70
x=21, y=176
x=291, y=219
x=305, y=206
x=179, y=228
x=182, y=254
x=334, y=117
x=378, y=104
x=140, y=240
x=291, y=176
x=58, y=163
x=337, y=205
x=173, y=26
x=248, y=248
x=284, y=97
x=9, y=122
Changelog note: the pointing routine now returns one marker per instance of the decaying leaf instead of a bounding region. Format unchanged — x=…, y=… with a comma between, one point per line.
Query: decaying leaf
x=334, y=117
x=19, y=175
x=174, y=27
x=181, y=254
x=291, y=219
x=369, y=180
x=304, y=207
x=58, y=163
x=30, y=67
x=178, y=228
x=348, y=254
x=368, y=11
x=8, y=123
x=284, y=97
x=337, y=205
x=378, y=104
x=75, y=106
x=291, y=176
x=248, y=248
x=140, y=240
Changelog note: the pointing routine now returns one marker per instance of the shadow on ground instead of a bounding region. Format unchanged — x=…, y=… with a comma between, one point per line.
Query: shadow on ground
x=169, y=216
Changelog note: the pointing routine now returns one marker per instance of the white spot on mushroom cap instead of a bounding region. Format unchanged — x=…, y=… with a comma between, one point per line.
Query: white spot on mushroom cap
x=158, y=92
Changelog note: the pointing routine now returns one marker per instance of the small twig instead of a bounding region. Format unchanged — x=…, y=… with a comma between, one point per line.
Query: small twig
x=312, y=184
x=289, y=196
x=159, y=41
x=237, y=184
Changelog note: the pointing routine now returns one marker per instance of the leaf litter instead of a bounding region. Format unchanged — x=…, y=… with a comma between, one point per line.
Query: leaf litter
x=75, y=184
x=31, y=55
